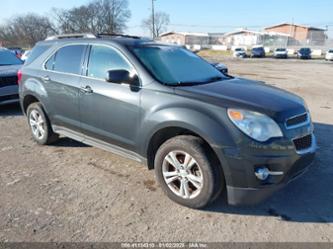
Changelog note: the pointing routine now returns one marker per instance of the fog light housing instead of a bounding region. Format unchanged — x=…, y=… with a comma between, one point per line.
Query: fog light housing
x=262, y=173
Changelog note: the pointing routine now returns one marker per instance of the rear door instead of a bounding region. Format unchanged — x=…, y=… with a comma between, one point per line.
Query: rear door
x=61, y=79
x=110, y=111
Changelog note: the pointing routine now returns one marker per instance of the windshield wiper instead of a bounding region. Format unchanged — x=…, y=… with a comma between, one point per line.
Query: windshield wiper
x=191, y=83
x=214, y=79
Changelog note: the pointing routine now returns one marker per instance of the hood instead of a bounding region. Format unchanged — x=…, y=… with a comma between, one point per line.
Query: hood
x=247, y=94
x=9, y=70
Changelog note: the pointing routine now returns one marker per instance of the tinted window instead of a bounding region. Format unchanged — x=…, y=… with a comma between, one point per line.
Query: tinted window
x=68, y=59
x=36, y=52
x=9, y=58
x=49, y=65
x=103, y=59
x=176, y=66
x=305, y=50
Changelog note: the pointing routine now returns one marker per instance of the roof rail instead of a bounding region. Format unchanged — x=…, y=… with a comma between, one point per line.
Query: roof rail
x=66, y=36
x=101, y=35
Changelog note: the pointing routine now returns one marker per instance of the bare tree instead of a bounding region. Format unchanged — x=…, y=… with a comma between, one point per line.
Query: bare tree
x=161, y=20
x=98, y=16
x=26, y=30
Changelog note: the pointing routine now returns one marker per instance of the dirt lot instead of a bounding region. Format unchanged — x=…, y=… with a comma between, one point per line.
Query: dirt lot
x=72, y=192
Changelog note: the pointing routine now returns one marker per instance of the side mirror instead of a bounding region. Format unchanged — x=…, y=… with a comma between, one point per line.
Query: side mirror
x=120, y=76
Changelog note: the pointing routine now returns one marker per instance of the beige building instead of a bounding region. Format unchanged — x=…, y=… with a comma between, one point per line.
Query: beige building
x=300, y=34
x=185, y=38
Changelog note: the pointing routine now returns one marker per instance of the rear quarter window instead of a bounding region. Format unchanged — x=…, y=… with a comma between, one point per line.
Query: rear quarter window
x=36, y=52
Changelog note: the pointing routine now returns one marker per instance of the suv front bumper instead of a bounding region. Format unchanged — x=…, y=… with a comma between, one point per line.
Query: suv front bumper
x=244, y=188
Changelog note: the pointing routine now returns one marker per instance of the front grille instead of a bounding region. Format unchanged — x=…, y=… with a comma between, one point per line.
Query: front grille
x=9, y=97
x=297, y=120
x=8, y=81
x=303, y=143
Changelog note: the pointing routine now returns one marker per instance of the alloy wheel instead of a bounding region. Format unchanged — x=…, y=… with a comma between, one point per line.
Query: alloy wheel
x=37, y=124
x=182, y=174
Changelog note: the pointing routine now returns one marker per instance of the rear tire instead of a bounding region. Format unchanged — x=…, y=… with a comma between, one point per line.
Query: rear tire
x=187, y=172
x=40, y=126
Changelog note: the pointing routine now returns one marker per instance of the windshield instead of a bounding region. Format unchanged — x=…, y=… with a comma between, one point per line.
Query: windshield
x=305, y=50
x=280, y=49
x=330, y=51
x=176, y=66
x=238, y=49
x=8, y=58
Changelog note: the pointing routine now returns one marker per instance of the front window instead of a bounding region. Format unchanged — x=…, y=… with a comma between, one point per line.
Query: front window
x=102, y=59
x=176, y=66
x=8, y=58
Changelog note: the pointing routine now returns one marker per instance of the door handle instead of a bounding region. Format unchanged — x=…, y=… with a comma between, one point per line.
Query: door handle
x=86, y=89
x=46, y=78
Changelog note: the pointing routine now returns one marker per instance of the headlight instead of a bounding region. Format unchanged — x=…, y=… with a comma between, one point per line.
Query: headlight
x=256, y=125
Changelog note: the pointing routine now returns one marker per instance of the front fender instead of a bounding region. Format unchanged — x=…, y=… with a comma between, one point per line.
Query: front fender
x=212, y=128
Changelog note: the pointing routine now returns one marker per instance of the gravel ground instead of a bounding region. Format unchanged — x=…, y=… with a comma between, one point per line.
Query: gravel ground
x=73, y=192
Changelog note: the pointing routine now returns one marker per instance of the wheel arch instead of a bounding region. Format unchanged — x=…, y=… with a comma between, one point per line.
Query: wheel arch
x=28, y=100
x=161, y=135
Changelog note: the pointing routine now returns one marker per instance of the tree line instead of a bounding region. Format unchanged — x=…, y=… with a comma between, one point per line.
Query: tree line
x=97, y=16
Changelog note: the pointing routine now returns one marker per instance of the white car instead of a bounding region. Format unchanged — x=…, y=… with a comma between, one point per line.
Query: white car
x=281, y=53
x=239, y=53
x=25, y=55
x=329, y=55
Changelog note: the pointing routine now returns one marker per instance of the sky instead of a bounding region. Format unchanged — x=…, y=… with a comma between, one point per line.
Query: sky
x=201, y=15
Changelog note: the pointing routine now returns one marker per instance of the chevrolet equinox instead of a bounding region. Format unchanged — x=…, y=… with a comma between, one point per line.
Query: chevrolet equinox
x=202, y=132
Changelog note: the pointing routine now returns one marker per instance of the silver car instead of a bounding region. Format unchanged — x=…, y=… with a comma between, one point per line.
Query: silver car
x=9, y=66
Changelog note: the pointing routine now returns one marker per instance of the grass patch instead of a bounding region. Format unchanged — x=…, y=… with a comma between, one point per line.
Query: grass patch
x=213, y=53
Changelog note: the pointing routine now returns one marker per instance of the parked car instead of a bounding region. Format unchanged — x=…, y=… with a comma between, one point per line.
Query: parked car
x=201, y=131
x=9, y=66
x=329, y=55
x=25, y=55
x=258, y=52
x=239, y=53
x=17, y=51
x=221, y=67
x=304, y=53
x=281, y=53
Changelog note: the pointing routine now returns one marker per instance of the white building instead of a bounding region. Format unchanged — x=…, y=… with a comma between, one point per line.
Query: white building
x=247, y=38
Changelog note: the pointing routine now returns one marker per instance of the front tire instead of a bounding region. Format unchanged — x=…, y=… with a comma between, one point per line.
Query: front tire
x=40, y=126
x=187, y=172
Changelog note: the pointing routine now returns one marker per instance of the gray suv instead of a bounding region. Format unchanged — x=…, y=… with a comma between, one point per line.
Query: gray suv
x=202, y=132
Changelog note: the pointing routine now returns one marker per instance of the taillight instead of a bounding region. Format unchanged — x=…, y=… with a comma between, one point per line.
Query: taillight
x=19, y=76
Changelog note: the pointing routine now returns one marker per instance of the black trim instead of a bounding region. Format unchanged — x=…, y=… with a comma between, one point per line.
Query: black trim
x=9, y=97
x=8, y=81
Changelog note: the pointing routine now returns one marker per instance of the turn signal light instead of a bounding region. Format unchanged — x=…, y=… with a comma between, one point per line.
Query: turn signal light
x=236, y=115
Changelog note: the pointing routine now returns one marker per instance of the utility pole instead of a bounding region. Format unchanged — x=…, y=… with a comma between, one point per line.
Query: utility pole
x=153, y=17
